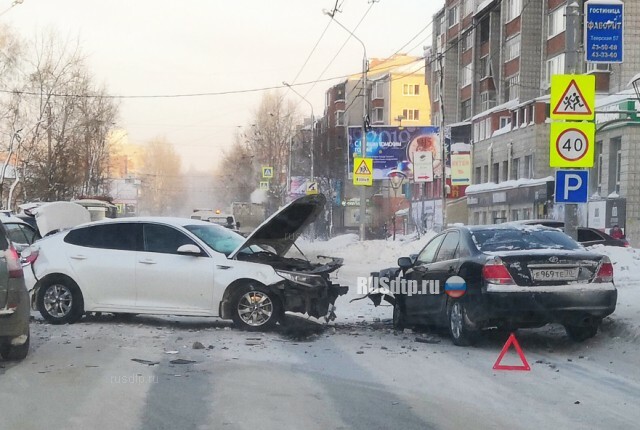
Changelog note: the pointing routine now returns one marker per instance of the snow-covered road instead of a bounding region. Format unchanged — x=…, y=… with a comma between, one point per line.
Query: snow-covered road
x=356, y=373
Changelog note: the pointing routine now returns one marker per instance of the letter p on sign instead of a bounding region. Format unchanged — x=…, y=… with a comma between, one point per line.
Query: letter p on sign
x=572, y=186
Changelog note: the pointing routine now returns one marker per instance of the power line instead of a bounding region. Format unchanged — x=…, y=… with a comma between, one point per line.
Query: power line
x=312, y=50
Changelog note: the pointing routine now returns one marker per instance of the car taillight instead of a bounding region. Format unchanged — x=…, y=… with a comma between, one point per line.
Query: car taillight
x=29, y=255
x=626, y=243
x=13, y=263
x=605, y=271
x=495, y=272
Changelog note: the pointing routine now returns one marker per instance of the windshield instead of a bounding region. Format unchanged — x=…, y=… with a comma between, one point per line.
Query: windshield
x=500, y=239
x=218, y=238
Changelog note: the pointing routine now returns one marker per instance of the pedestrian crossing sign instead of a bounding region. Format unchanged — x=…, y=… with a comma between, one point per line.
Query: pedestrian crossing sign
x=264, y=185
x=573, y=97
x=267, y=172
x=363, y=171
x=312, y=187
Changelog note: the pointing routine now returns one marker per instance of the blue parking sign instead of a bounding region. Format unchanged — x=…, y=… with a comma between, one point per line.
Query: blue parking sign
x=572, y=186
x=603, y=29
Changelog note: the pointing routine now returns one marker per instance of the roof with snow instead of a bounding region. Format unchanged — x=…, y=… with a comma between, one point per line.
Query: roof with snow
x=516, y=183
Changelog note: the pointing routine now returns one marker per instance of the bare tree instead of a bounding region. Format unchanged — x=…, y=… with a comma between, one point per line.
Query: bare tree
x=162, y=189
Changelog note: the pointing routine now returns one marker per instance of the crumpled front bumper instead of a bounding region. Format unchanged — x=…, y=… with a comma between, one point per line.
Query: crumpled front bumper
x=318, y=302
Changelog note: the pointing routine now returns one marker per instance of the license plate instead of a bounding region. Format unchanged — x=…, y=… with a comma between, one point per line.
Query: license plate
x=555, y=274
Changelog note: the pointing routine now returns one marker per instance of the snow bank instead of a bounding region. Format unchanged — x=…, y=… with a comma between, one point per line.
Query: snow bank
x=624, y=260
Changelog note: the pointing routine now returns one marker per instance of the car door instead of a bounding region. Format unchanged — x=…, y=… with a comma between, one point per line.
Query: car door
x=445, y=265
x=417, y=306
x=168, y=281
x=102, y=258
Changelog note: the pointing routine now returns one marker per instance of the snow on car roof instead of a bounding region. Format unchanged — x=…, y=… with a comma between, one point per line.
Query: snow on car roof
x=176, y=221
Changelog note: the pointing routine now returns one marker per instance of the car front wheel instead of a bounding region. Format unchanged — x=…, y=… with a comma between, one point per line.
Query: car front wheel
x=59, y=301
x=255, y=308
x=460, y=328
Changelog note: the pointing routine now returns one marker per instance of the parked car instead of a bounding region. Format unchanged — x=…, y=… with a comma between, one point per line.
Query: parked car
x=175, y=266
x=14, y=304
x=20, y=233
x=516, y=277
x=587, y=236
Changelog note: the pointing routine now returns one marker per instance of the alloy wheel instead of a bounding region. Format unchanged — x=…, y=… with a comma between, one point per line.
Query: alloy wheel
x=255, y=308
x=58, y=300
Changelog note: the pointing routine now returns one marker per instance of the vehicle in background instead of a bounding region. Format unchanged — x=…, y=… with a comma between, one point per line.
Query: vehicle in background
x=19, y=232
x=513, y=276
x=216, y=217
x=140, y=265
x=587, y=236
x=14, y=303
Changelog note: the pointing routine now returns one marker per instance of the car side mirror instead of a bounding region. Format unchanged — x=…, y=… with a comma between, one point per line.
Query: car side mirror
x=189, y=249
x=405, y=262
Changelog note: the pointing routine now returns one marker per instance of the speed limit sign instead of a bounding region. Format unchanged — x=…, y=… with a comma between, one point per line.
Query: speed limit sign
x=571, y=144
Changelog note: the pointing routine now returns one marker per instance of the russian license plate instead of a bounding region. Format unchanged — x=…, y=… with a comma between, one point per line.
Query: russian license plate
x=569, y=274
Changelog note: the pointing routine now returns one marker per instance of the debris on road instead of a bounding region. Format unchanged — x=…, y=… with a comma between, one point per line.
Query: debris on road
x=182, y=361
x=427, y=340
x=147, y=362
x=197, y=345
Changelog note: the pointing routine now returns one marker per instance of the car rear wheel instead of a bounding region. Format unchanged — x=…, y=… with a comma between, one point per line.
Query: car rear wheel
x=581, y=333
x=15, y=352
x=459, y=326
x=60, y=301
x=255, y=308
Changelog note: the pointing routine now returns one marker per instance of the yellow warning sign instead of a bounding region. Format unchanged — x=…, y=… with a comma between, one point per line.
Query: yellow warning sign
x=573, y=97
x=363, y=171
x=572, y=144
x=312, y=188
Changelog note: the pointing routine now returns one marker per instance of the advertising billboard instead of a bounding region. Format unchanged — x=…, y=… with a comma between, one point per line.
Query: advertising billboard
x=395, y=147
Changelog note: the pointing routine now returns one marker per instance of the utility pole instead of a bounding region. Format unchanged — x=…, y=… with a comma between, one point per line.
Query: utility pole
x=443, y=148
x=573, y=65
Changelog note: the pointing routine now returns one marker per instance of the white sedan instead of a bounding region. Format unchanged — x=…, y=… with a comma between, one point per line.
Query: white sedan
x=175, y=266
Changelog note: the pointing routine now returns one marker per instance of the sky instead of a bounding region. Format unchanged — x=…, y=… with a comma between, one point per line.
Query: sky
x=160, y=47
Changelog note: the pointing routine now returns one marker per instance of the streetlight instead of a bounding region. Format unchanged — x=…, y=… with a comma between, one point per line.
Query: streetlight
x=396, y=177
x=363, y=143
x=312, y=128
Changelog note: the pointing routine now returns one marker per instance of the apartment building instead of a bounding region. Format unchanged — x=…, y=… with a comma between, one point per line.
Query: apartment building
x=497, y=59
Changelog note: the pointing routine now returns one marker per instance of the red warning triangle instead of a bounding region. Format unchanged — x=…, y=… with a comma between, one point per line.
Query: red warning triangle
x=572, y=102
x=363, y=169
x=511, y=341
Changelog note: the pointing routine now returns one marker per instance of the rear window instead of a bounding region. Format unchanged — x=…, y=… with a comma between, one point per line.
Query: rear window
x=494, y=240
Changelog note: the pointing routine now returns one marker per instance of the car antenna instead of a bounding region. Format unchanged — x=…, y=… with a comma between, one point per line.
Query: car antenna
x=300, y=250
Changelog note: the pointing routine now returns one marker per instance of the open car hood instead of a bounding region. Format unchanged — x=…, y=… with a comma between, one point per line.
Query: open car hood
x=282, y=229
x=56, y=216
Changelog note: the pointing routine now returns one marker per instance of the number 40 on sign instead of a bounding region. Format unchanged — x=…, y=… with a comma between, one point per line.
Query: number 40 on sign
x=571, y=144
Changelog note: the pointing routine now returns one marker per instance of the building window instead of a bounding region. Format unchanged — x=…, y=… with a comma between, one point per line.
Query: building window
x=467, y=76
x=512, y=48
x=478, y=178
x=465, y=109
x=615, y=164
x=487, y=101
x=504, y=121
x=327, y=98
x=485, y=67
x=378, y=90
x=515, y=168
x=495, y=174
x=340, y=94
x=485, y=30
x=514, y=9
x=476, y=218
x=596, y=186
x=505, y=170
x=528, y=166
x=411, y=114
x=512, y=87
x=453, y=16
x=410, y=90
x=378, y=115
x=514, y=215
x=339, y=118
x=468, y=7
x=485, y=174
x=467, y=41
x=555, y=66
x=598, y=67
x=557, y=21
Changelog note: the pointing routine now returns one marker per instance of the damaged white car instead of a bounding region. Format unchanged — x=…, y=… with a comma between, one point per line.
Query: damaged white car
x=175, y=266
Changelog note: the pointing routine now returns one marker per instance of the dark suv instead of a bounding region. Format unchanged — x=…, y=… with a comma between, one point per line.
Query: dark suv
x=14, y=303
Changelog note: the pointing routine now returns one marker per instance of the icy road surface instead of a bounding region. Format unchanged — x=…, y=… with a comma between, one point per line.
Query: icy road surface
x=357, y=373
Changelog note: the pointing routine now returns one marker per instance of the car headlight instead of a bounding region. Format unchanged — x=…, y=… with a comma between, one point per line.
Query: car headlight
x=302, y=278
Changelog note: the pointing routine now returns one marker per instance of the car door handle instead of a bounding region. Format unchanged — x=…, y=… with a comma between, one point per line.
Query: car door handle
x=79, y=257
x=147, y=261
x=221, y=267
